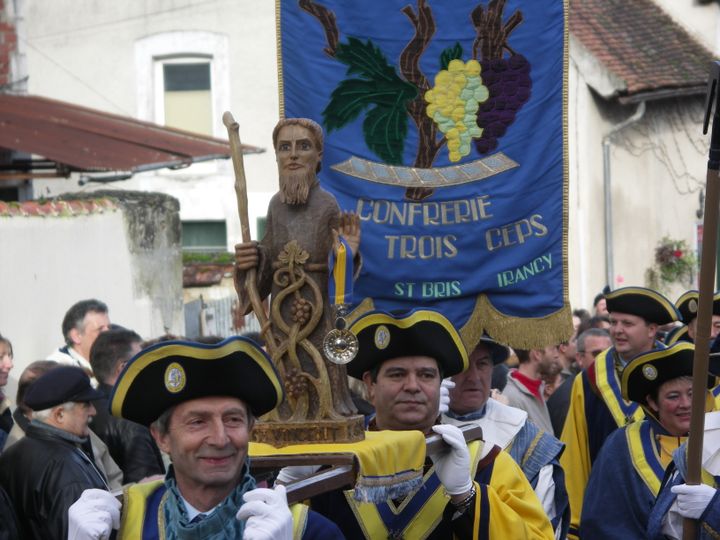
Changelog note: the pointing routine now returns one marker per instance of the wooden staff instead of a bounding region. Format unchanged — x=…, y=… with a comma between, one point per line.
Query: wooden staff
x=233, y=129
x=707, y=280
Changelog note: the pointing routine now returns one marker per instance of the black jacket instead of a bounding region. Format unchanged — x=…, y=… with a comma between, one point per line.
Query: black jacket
x=130, y=444
x=43, y=474
x=8, y=521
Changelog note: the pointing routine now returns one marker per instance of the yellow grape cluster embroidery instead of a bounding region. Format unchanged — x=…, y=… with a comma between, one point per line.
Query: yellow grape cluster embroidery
x=453, y=105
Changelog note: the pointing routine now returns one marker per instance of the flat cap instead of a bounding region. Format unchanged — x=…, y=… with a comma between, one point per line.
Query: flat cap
x=60, y=385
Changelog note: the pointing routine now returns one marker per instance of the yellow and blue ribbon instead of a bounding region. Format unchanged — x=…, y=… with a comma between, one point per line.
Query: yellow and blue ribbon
x=340, y=284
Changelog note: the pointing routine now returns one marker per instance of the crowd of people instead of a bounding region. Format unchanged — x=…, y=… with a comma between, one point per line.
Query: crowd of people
x=113, y=436
x=166, y=423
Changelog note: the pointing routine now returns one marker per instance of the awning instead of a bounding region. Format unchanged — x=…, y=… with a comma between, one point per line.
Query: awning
x=64, y=138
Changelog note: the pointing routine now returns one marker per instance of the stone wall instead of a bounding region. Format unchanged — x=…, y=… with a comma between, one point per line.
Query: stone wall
x=122, y=248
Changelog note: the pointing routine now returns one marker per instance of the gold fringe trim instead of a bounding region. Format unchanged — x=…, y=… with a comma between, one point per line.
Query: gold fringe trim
x=566, y=150
x=278, y=44
x=518, y=332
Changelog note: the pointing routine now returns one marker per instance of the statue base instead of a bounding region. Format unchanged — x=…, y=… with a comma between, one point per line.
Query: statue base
x=279, y=434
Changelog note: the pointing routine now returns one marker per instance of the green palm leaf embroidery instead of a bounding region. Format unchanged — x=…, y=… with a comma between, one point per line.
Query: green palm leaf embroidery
x=385, y=129
x=380, y=87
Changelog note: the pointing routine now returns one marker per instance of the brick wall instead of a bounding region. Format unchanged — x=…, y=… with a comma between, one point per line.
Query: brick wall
x=8, y=42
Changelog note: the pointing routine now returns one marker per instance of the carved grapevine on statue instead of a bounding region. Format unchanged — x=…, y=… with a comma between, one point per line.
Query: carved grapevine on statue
x=473, y=101
x=304, y=318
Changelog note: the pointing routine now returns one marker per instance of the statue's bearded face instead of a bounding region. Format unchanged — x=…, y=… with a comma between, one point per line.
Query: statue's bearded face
x=298, y=157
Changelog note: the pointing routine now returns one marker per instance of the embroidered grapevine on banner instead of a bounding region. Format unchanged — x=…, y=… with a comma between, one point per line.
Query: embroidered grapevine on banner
x=473, y=101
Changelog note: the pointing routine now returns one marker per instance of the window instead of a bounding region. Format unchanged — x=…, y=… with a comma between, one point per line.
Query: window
x=187, y=96
x=183, y=80
x=204, y=236
x=9, y=194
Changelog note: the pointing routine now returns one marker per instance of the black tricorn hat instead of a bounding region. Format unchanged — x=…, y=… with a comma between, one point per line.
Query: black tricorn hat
x=649, y=370
x=172, y=372
x=60, y=385
x=383, y=336
x=646, y=303
x=498, y=352
x=677, y=334
x=688, y=307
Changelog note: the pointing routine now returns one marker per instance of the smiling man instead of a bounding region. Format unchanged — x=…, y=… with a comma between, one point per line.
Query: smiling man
x=468, y=490
x=597, y=407
x=200, y=402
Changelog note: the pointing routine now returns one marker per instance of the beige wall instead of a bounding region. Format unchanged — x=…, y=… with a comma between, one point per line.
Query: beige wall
x=657, y=167
x=49, y=263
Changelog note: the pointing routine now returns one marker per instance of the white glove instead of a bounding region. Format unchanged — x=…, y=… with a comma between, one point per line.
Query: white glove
x=452, y=465
x=445, y=387
x=293, y=473
x=266, y=515
x=692, y=500
x=93, y=516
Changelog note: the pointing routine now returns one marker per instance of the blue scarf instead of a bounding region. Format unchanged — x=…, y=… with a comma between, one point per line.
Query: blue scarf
x=475, y=415
x=219, y=525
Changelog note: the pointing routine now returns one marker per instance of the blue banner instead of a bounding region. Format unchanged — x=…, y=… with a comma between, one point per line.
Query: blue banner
x=445, y=130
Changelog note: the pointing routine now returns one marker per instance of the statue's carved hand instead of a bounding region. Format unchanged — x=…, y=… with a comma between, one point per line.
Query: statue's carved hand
x=349, y=229
x=246, y=255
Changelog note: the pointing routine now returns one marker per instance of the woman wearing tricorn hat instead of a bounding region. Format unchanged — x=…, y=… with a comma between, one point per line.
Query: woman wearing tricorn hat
x=627, y=473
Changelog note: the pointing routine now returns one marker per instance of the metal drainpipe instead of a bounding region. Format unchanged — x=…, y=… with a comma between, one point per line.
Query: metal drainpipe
x=18, y=61
x=609, y=261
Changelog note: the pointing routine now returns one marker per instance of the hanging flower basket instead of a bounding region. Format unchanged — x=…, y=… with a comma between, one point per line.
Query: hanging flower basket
x=675, y=262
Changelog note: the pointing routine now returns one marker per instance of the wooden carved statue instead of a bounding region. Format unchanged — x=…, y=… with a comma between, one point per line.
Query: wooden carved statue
x=291, y=264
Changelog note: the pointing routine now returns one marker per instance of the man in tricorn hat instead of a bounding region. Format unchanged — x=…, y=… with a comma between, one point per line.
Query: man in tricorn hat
x=200, y=402
x=468, y=490
x=597, y=407
x=687, y=305
x=536, y=452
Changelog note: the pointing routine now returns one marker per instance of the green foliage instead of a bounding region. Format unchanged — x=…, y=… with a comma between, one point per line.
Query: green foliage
x=449, y=54
x=365, y=59
x=380, y=90
x=218, y=257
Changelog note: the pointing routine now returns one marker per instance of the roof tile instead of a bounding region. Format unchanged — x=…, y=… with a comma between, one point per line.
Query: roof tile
x=45, y=208
x=639, y=43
